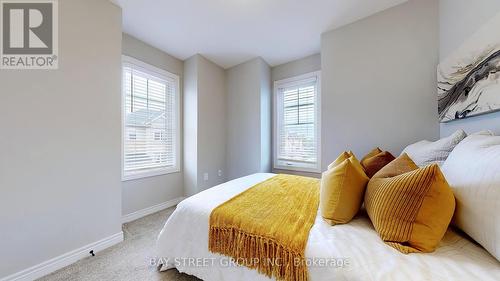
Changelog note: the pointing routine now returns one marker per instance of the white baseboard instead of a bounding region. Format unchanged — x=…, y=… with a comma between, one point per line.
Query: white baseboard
x=151, y=210
x=64, y=260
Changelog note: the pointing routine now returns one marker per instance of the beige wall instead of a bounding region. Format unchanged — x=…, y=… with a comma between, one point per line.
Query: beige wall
x=248, y=118
x=146, y=192
x=379, y=81
x=60, y=183
x=459, y=19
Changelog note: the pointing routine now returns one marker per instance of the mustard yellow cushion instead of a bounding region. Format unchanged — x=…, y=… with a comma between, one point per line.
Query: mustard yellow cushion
x=373, y=164
x=370, y=154
x=401, y=165
x=342, y=190
x=410, y=207
x=343, y=156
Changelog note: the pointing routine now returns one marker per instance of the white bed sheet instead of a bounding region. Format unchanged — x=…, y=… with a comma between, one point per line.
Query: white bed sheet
x=183, y=243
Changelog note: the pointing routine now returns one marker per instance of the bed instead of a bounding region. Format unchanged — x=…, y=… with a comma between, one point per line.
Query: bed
x=351, y=251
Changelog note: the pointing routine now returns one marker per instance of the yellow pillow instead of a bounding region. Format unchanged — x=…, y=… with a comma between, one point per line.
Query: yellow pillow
x=343, y=156
x=342, y=190
x=373, y=164
x=370, y=154
x=409, y=207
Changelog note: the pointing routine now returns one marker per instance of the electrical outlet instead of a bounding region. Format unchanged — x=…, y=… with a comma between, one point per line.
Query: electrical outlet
x=205, y=176
x=220, y=173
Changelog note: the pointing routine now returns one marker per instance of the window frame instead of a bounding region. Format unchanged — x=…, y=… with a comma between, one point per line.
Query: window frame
x=165, y=75
x=290, y=82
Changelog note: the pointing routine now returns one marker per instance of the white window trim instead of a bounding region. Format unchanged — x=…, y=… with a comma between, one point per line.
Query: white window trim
x=152, y=70
x=289, y=81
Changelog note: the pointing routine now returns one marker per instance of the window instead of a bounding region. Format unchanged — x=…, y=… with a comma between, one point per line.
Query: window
x=150, y=121
x=296, y=123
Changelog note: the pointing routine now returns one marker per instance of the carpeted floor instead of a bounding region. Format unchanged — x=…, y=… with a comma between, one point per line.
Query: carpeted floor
x=127, y=261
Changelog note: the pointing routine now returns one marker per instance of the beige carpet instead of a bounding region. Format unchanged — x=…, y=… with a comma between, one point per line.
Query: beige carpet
x=129, y=260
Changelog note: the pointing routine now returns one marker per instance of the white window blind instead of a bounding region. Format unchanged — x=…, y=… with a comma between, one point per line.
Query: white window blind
x=296, y=127
x=151, y=121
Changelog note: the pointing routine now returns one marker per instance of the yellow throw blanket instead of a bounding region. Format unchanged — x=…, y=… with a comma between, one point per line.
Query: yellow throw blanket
x=267, y=226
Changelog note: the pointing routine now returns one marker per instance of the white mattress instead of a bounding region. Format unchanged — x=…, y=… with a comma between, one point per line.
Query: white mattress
x=183, y=243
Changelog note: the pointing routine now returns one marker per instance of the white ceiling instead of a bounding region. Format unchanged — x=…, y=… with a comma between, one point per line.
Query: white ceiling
x=229, y=32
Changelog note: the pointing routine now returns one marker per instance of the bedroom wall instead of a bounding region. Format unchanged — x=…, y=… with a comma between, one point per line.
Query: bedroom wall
x=459, y=19
x=379, y=81
x=147, y=192
x=204, y=124
x=266, y=130
x=297, y=67
x=248, y=118
x=211, y=124
x=190, y=126
x=60, y=143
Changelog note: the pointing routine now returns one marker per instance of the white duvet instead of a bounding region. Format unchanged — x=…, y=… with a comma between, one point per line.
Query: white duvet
x=183, y=243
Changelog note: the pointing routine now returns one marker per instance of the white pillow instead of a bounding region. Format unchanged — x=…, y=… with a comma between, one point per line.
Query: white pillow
x=484, y=133
x=425, y=152
x=473, y=172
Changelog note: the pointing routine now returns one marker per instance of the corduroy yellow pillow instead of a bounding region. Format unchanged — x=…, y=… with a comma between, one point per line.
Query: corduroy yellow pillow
x=409, y=207
x=342, y=190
